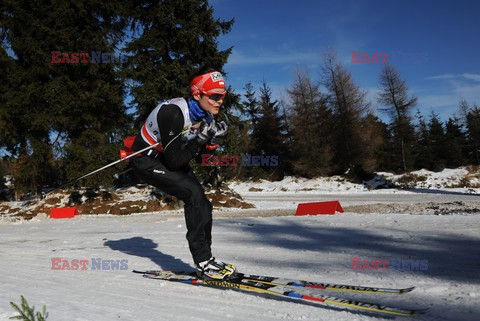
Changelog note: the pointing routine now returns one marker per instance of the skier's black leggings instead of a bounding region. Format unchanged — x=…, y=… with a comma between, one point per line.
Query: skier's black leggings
x=182, y=184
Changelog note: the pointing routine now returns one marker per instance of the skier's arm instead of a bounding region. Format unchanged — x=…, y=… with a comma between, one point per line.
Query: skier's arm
x=176, y=152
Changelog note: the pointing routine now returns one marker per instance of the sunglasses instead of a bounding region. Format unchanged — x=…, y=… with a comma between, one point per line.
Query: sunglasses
x=215, y=96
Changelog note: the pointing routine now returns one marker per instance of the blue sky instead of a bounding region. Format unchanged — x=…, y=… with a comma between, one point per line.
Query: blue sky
x=435, y=45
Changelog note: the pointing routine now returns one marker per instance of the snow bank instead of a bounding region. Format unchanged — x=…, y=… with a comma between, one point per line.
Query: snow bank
x=460, y=180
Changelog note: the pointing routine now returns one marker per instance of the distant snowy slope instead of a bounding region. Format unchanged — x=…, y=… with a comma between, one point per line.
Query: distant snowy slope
x=461, y=179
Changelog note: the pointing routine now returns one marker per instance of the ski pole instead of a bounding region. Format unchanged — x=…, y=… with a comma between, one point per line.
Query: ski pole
x=117, y=175
x=100, y=169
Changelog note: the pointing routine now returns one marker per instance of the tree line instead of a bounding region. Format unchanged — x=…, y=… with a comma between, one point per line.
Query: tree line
x=329, y=127
x=59, y=121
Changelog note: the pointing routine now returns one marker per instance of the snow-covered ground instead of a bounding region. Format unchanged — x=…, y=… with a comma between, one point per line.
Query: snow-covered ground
x=417, y=187
x=447, y=180
x=316, y=248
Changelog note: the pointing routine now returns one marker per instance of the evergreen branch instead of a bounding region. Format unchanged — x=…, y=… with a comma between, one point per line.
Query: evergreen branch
x=27, y=313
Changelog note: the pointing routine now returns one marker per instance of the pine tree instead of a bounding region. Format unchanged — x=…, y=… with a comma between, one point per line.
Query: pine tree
x=171, y=40
x=9, y=133
x=437, y=138
x=455, y=143
x=470, y=118
x=311, y=125
x=81, y=102
x=423, y=152
x=268, y=139
x=431, y=153
x=250, y=104
x=473, y=134
x=239, y=134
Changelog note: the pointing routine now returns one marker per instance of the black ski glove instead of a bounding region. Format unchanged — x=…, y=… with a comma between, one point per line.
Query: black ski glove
x=220, y=133
x=205, y=131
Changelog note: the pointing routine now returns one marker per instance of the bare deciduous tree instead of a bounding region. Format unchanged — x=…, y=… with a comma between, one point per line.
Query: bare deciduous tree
x=310, y=122
x=349, y=107
x=394, y=96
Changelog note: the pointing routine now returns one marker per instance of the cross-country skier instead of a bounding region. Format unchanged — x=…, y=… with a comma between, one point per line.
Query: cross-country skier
x=184, y=127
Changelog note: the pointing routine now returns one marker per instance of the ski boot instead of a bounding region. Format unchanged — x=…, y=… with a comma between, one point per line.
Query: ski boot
x=215, y=270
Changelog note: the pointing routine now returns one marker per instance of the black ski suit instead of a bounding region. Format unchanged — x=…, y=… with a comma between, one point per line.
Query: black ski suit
x=170, y=172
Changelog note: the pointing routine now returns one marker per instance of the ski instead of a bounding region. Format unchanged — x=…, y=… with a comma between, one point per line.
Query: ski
x=321, y=285
x=277, y=290
x=315, y=285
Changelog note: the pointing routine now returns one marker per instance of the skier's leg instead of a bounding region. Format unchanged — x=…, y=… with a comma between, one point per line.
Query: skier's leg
x=198, y=209
x=208, y=225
